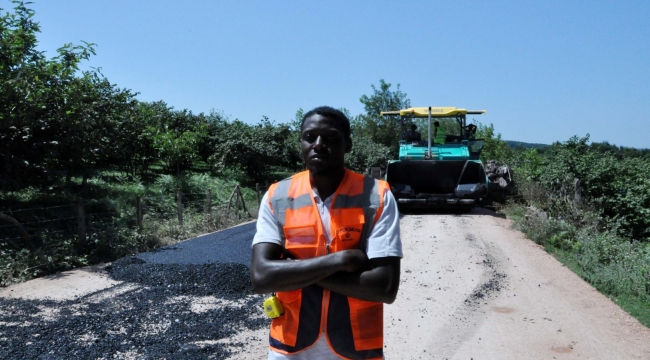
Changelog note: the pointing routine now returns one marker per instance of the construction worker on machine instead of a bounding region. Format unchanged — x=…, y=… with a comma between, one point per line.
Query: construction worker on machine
x=412, y=134
x=471, y=131
x=328, y=247
x=439, y=133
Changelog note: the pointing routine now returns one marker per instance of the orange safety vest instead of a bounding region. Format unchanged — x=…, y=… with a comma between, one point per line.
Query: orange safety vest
x=354, y=328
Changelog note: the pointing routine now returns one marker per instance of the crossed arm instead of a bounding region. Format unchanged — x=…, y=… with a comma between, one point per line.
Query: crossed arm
x=347, y=272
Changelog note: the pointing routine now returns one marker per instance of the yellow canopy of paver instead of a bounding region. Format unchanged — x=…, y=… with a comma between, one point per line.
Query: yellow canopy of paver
x=435, y=112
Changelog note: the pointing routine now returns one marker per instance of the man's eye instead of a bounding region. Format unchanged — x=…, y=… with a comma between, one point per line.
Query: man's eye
x=332, y=139
x=309, y=137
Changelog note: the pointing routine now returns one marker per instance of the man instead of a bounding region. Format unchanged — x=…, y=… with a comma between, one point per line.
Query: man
x=471, y=131
x=439, y=134
x=413, y=134
x=328, y=245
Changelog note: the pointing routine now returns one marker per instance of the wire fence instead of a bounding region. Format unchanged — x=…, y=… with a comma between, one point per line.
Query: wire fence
x=27, y=227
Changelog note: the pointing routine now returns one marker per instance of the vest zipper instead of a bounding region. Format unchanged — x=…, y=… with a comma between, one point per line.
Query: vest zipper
x=323, y=321
x=326, y=293
x=326, y=297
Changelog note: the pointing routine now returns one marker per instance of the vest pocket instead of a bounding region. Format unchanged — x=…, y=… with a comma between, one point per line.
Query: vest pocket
x=347, y=228
x=301, y=241
x=347, y=237
x=285, y=327
x=367, y=320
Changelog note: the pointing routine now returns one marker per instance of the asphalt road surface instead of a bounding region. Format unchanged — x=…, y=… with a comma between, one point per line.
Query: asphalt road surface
x=228, y=246
x=471, y=288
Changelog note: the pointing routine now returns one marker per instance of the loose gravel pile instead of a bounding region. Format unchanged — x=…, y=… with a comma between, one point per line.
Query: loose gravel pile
x=161, y=311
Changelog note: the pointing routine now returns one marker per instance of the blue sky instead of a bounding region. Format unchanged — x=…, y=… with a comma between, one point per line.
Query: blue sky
x=544, y=70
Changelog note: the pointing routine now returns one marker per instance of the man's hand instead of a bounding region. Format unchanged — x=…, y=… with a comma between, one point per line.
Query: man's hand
x=377, y=281
x=348, y=272
x=270, y=272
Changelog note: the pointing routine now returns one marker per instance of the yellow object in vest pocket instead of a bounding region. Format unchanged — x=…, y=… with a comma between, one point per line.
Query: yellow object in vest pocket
x=273, y=307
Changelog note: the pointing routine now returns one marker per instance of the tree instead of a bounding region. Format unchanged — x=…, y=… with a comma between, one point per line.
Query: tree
x=34, y=92
x=381, y=129
x=365, y=152
x=494, y=148
x=255, y=149
x=55, y=121
x=178, y=139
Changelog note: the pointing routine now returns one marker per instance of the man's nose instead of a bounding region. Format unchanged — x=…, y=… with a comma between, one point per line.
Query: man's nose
x=320, y=142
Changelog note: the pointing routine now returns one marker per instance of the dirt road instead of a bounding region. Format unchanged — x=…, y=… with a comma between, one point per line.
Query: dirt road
x=471, y=288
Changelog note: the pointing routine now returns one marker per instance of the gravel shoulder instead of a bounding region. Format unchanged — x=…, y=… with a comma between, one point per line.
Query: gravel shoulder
x=472, y=287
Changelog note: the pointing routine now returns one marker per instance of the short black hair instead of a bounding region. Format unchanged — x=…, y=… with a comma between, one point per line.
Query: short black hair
x=436, y=124
x=330, y=113
x=413, y=126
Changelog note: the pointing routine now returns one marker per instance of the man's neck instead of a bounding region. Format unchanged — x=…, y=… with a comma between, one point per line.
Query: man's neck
x=325, y=185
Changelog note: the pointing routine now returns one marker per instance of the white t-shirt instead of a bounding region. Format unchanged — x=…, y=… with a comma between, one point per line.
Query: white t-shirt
x=383, y=241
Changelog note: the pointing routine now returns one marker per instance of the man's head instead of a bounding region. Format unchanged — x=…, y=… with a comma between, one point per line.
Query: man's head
x=436, y=124
x=324, y=140
x=414, y=127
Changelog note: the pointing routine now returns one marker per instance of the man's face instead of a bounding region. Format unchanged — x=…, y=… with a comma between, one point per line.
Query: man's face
x=323, y=145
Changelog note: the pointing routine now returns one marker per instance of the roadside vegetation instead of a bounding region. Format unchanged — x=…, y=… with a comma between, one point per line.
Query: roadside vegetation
x=589, y=205
x=70, y=140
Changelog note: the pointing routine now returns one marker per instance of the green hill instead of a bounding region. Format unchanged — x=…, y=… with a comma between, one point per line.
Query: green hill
x=525, y=145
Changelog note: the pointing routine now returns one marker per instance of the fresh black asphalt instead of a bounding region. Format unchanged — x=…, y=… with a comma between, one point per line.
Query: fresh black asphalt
x=155, y=317
x=228, y=246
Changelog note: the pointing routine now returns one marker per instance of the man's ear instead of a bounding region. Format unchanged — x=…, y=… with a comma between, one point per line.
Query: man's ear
x=348, y=145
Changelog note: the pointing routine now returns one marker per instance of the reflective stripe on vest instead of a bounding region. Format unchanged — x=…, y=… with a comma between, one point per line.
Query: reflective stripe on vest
x=354, y=327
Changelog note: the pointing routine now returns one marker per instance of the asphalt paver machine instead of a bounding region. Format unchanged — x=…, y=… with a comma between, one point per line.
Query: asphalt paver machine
x=439, y=172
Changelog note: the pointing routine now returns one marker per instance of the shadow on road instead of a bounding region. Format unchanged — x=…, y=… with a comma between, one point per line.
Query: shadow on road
x=457, y=212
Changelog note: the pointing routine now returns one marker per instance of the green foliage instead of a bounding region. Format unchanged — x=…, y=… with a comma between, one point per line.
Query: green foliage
x=365, y=153
x=50, y=114
x=384, y=130
x=135, y=137
x=529, y=165
x=597, y=197
x=178, y=148
x=255, y=149
x=525, y=145
x=619, y=188
x=495, y=148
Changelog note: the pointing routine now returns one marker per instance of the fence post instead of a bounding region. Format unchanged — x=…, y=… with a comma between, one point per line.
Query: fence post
x=180, y=206
x=19, y=227
x=138, y=214
x=81, y=224
x=237, y=195
x=257, y=189
x=243, y=203
x=208, y=202
x=234, y=191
